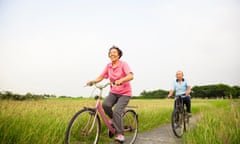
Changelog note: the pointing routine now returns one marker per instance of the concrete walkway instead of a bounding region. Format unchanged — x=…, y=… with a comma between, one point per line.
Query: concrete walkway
x=163, y=134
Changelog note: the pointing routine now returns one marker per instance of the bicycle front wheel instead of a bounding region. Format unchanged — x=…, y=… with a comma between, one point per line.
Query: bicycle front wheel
x=186, y=121
x=130, y=123
x=84, y=128
x=178, y=123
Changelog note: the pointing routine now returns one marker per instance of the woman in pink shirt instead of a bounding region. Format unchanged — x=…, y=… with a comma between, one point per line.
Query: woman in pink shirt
x=119, y=72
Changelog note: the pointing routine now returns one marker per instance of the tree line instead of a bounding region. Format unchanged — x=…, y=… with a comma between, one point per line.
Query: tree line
x=216, y=91
x=205, y=91
x=29, y=96
x=20, y=97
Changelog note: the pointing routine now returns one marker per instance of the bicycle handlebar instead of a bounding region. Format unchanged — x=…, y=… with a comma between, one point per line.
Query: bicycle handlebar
x=177, y=96
x=102, y=86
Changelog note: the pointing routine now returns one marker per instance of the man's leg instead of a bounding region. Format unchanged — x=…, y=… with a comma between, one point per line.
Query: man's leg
x=187, y=101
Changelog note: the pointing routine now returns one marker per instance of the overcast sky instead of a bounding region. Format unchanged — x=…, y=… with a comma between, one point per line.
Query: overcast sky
x=55, y=46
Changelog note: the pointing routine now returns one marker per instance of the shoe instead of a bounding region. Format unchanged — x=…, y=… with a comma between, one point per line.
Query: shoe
x=120, y=138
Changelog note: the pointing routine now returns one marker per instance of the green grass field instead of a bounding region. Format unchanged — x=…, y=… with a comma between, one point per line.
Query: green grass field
x=219, y=125
x=45, y=121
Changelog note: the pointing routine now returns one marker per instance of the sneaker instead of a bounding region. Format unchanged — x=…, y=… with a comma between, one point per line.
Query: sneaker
x=120, y=138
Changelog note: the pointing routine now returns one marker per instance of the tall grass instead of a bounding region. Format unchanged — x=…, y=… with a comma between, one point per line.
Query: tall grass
x=45, y=121
x=35, y=122
x=219, y=125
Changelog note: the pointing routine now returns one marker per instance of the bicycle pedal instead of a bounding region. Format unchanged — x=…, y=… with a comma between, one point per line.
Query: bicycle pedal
x=110, y=134
x=128, y=128
x=92, y=113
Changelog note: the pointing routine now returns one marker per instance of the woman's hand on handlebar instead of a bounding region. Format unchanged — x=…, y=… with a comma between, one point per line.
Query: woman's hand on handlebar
x=90, y=83
x=117, y=82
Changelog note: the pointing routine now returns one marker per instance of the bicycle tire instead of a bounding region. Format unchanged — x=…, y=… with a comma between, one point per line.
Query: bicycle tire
x=80, y=130
x=178, y=124
x=186, y=121
x=130, y=125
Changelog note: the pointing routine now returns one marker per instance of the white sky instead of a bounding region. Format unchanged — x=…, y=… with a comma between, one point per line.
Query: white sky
x=55, y=47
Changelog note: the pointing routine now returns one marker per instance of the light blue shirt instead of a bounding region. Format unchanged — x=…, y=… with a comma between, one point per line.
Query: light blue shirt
x=180, y=88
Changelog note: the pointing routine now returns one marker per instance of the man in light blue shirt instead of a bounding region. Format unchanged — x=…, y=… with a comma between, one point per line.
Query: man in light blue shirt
x=183, y=89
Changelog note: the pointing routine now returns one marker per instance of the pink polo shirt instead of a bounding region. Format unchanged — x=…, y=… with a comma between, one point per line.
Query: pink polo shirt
x=121, y=70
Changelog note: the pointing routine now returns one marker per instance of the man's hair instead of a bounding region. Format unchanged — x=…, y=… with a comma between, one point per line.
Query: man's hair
x=120, y=53
x=179, y=71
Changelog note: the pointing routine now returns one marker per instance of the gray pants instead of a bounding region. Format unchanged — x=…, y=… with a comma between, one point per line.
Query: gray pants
x=116, y=114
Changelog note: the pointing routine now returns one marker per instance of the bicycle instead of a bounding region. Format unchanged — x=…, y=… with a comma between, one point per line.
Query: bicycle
x=180, y=119
x=85, y=125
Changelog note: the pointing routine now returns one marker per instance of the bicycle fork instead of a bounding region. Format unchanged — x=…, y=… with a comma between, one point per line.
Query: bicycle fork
x=85, y=130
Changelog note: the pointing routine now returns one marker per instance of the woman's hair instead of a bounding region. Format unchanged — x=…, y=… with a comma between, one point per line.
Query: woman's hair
x=120, y=53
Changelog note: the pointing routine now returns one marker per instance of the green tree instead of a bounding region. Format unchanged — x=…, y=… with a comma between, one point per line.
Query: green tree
x=154, y=94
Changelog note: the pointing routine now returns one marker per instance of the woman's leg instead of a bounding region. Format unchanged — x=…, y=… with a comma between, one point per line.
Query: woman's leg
x=118, y=112
x=108, y=103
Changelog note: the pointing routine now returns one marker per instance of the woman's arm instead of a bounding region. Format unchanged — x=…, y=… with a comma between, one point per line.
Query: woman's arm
x=127, y=78
x=98, y=79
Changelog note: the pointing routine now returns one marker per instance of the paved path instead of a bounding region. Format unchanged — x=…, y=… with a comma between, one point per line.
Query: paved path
x=163, y=134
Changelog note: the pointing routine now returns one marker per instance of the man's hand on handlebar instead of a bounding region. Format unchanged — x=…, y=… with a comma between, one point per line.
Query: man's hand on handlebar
x=169, y=96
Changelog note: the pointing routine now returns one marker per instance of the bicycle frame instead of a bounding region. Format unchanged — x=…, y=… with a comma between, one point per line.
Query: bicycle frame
x=179, y=104
x=100, y=111
x=91, y=127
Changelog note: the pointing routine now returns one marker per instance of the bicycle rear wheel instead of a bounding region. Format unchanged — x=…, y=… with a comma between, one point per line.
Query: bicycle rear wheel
x=84, y=128
x=130, y=123
x=178, y=125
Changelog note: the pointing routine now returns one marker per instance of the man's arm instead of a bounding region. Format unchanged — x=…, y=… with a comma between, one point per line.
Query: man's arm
x=170, y=93
x=188, y=91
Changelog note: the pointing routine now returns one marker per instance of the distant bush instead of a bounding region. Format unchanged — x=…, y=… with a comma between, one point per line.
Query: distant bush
x=154, y=94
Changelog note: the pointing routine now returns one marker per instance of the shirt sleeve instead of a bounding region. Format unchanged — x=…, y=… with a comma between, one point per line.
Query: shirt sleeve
x=173, y=86
x=188, y=83
x=126, y=68
x=105, y=72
